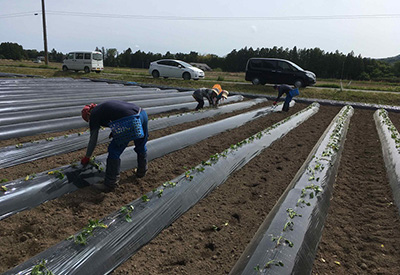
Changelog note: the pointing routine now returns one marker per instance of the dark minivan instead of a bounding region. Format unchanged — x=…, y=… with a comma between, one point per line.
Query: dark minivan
x=277, y=71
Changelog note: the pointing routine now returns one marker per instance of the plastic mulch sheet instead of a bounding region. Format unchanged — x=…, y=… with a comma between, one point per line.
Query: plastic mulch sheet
x=35, y=189
x=25, y=152
x=287, y=241
x=108, y=247
x=75, y=120
x=390, y=141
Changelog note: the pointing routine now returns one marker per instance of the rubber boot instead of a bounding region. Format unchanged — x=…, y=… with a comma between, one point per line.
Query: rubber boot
x=142, y=165
x=112, y=177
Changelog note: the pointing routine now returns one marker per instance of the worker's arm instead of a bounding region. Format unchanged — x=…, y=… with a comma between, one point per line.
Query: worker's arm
x=280, y=93
x=94, y=134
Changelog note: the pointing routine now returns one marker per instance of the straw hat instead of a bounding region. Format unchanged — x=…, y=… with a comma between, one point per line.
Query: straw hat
x=224, y=94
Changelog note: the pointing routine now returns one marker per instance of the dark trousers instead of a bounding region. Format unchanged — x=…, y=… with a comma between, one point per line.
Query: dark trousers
x=285, y=106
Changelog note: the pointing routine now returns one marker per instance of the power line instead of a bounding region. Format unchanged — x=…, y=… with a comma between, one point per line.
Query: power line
x=20, y=14
x=210, y=18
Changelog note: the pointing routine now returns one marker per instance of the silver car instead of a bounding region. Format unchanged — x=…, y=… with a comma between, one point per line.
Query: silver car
x=174, y=68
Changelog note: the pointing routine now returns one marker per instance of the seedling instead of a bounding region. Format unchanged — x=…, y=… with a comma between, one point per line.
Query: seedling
x=302, y=201
x=273, y=262
x=288, y=225
x=49, y=139
x=145, y=198
x=57, y=173
x=292, y=213
x=280, y=239
x=128, y=209
x=3, y=188
x=19, y=145
x=81, y=238
x=41, y=269
x=30, y=177
x=95, y=164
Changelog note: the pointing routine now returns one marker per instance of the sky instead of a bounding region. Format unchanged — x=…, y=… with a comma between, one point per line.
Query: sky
x=369, y=28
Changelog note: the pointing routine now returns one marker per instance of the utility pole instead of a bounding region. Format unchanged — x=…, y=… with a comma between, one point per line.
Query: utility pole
x=46, y=55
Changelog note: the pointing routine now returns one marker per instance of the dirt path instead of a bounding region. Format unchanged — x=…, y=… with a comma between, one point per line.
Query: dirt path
x=191, y=245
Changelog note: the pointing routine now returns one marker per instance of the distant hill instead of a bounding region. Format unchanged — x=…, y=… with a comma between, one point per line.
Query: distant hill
x=391, y=60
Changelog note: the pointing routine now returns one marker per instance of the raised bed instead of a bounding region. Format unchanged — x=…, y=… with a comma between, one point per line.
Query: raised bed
x=108, y=247
x=286, y=242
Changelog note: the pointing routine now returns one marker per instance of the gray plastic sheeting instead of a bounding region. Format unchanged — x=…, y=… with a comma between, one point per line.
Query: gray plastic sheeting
x=110, y=247
x=74, y=122
x=60, y=111
x=24, y=194
x=287, y=244
x=21, y=153
x=390, y=141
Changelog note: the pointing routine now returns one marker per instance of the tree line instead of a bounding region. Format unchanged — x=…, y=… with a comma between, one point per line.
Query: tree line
x=324, y=64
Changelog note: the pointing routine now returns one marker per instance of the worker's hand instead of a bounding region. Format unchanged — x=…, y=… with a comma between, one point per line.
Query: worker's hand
x=85, y=161
x=274, y=103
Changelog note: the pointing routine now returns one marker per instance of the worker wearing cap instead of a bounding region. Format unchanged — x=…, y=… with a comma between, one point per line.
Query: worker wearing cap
x=283, y=89
x=213, y=96
x=100, y=116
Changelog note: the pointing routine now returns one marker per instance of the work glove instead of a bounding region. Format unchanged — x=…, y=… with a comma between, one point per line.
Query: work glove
x=274, y=103
x=85, y=161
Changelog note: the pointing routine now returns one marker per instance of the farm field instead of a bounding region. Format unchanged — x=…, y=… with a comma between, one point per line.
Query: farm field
x=362, y=229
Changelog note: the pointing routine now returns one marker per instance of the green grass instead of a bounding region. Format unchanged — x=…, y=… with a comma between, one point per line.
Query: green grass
x=371, y=91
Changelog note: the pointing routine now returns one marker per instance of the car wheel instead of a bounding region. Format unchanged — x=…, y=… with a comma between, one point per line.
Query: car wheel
x=186, y=76
x=255, y=81
x=65, y=68
x=155, y=74
x=298, y=83
x=87, y=70
x=165, y=77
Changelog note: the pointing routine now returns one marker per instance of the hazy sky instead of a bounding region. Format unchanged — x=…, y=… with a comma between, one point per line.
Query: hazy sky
x=367, y=27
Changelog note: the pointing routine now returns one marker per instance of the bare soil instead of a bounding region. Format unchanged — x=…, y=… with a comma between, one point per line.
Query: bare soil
x=361, y=235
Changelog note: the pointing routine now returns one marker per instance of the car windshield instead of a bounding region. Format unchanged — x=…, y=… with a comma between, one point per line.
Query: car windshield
x=296, y=66
x=97, y=56
x=187, y=65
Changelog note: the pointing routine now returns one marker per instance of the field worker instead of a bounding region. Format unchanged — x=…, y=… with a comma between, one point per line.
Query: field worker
x=114, y=114
x=290, y=93
x=212, y=95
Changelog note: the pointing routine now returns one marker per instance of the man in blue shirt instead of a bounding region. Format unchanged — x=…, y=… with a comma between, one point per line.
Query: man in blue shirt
x=101, y=116
x=284, y=89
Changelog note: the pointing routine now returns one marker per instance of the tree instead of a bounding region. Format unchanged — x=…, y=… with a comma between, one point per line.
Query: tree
x=12, y=51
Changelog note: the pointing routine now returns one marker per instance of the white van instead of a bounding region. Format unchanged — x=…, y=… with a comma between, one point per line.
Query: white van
x=86, y=61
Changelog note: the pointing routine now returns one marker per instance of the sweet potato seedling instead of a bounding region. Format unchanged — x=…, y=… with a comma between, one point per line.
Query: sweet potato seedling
x=41, y=269
x=81, y=238
x=128, y=209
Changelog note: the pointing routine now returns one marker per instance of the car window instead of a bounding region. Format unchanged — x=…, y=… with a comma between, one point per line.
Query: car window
x=285, y=66
x=87, y=55
x=70, y=56
x=97, y=56
x=79, y=55
x=184, y=64
x=164, y=62
x=175, y=64
x=269, y=64
x=256, y=64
